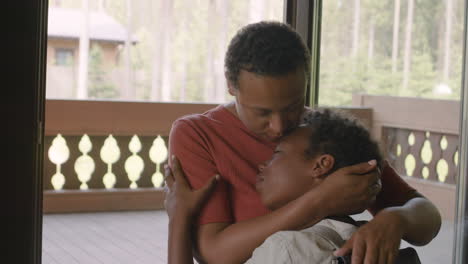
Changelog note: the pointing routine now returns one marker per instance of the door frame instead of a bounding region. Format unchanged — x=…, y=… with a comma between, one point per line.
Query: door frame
x=25, y=57
x=460, y=249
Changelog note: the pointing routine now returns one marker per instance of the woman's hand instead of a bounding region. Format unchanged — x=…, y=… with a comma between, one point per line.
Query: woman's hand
x=181, y=200
x=182, y=204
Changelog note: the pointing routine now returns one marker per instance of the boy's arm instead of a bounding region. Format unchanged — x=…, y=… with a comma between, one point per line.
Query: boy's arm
x=234, y=243
x=400, y=213
x=417, y=221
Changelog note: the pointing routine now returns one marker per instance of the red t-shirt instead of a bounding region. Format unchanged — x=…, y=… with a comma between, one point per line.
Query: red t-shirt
x=217, y=142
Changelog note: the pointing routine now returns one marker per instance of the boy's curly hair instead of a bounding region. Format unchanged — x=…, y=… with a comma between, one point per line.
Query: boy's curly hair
x=266, y=48
x=341, y=136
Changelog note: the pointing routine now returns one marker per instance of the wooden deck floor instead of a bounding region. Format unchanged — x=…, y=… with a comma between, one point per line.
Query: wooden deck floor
x=117, y=237
x=140, y=237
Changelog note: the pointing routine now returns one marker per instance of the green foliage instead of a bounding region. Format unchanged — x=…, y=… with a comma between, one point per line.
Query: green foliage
x=342, y=75
x=99, y=86
x=200, y=33
x=423, y=77
x=141, y=64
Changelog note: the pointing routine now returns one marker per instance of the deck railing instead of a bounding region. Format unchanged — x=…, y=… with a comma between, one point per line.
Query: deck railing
x=105, y=155
x=420, y=139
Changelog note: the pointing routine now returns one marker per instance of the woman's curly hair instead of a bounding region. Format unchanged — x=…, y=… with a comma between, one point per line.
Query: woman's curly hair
x=341, y=136
x=266, y=48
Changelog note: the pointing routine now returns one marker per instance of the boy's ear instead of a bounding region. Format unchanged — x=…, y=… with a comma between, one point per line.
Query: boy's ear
x=231, y=89
x=322, y=165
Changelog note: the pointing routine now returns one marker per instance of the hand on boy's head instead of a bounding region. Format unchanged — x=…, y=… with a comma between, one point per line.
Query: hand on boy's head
x=351, y=189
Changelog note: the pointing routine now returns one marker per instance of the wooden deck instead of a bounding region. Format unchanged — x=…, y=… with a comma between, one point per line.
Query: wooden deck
x=140, y=237
x=117, y=237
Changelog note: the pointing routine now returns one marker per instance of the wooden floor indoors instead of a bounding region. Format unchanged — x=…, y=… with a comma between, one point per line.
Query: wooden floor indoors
x=140, y=238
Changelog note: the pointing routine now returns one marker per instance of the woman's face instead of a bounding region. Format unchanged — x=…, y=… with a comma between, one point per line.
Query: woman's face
x=289, y=173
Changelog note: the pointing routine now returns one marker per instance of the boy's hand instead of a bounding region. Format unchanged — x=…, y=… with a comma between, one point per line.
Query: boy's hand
x=377, y=241
x=181, y=200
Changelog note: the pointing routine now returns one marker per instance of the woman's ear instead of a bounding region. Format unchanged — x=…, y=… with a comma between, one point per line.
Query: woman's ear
x=322, y=165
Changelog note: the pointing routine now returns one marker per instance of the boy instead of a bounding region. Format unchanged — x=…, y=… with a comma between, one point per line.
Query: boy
x=267, y=67
x=300, y=162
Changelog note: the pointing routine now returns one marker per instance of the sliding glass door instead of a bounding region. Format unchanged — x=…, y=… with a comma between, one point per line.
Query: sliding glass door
x=399, y=65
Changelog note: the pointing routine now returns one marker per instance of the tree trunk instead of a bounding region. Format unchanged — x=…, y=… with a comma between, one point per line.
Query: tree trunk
x=448, y=34
x=183, y=80
x=185, y=51
x=161, y=72
x=209, y=88
x=167, y=52
x=396, y=33
x=370, y=51
x=155, y=94
x=220, y=82
x=407, y=56
x=356, y=21
x=101, y=5
x=256, y=10
x=127, y=92
x=439, y=44
x=82, y=89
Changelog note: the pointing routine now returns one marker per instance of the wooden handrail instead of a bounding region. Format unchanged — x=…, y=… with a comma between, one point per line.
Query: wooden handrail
x=76, y=117
x=411, y=113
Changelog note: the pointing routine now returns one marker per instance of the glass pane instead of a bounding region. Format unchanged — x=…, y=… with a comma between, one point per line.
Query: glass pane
x=372, y=47
x=403, y=60
x=144, y=49
x=63, y=57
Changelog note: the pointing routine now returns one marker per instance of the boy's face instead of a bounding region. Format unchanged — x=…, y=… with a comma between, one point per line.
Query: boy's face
x=270, y=106
x=289, y=173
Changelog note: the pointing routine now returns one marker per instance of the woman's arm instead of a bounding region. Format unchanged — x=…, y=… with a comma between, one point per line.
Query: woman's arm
x=182, y=205
x=179, y=241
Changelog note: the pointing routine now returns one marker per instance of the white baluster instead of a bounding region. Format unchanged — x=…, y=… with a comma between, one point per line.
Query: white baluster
x=410, y=164
x=398, y=150
x=425, y=172
x=110, y=154
x=411, y=139
x=442, y=170
x=158, y=154
x=443, y=143
x=58, y=154
x=134, y=165
x=426, y=152
x=84, y=165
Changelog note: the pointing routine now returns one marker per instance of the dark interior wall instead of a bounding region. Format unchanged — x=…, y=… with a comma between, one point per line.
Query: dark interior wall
x=23, y=80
